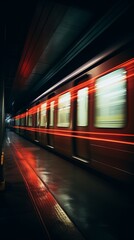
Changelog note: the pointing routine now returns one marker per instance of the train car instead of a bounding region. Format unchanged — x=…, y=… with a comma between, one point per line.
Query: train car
x=89, y=116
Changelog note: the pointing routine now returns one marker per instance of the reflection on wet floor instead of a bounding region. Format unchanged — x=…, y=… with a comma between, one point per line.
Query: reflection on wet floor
x=99, y=209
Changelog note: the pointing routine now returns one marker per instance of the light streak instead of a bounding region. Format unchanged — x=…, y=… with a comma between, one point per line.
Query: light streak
x=76, y=134
x=88, y=83
x=92, y=136
x=83, y=68
x=72, y=131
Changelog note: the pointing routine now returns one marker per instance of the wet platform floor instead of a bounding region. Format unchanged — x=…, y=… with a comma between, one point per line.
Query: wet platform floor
x=66, y=201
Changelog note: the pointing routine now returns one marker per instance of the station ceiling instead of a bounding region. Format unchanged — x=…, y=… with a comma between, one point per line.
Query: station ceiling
x=43, y=41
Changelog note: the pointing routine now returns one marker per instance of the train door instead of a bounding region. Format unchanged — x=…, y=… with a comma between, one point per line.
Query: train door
x=50, y=122
x=81, y=121
x=37, y=124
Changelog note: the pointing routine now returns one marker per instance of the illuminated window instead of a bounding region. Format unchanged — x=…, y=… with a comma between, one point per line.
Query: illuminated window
x=30, y=120
x=22, y=121
x=64, y=110
x=52, y=113
x=43, y=122
x=17, y=122
x=82, y=107
x=110, y=100
x=26, y=119
x=37, y=118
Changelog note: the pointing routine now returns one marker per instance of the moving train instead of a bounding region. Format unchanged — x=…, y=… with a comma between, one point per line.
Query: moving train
x=89, y=115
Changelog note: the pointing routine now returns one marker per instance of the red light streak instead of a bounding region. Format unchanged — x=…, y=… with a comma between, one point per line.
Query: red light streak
x=33, y=110
x=89, y=83
x=25, y=69
x=72, y=131
x=76, y=134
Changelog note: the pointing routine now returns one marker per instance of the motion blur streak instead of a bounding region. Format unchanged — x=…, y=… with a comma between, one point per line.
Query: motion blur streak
x=74, y=90
x=71, y=131
x=64, y=134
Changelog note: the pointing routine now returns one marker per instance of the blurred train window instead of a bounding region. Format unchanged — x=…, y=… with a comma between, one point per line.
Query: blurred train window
x=43, y=122
x=64, y=102
x=22, y=121
x=82, y=107
x=30, y=120
x=110, y=100
x=17, y=122
x=52, y=113
x=37, y=117
x=26, y=118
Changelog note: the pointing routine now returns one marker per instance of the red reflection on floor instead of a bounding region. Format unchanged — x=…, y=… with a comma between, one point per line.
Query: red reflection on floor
x=54, y=219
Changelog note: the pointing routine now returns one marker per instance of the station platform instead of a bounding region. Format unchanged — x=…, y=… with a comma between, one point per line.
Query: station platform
x=47, y=197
